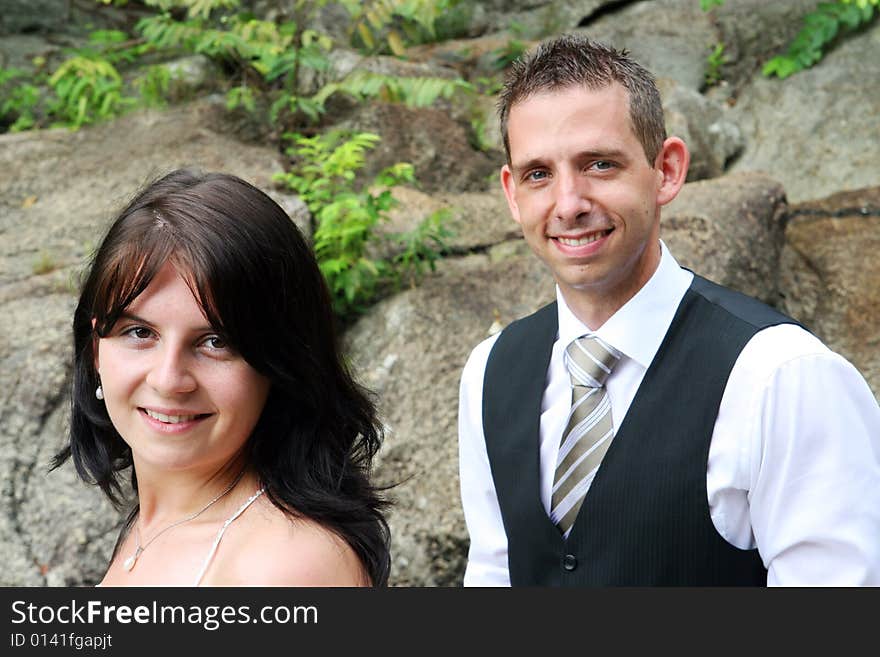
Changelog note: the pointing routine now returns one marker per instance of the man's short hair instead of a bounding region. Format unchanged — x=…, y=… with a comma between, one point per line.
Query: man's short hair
x=573, y=60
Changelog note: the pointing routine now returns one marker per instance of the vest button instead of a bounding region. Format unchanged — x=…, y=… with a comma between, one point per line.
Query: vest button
x=569, y=562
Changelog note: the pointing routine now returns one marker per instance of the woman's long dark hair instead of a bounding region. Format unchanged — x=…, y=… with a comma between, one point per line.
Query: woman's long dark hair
x=260, y=287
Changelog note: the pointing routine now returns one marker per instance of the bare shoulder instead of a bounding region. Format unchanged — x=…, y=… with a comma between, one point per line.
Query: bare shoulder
x=272, y=548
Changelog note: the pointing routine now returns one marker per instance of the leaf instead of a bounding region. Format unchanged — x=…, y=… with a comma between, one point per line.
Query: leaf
x=396, y=44
x=366, y=36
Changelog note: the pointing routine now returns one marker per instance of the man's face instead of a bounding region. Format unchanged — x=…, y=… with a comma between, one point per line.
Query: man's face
x=584, y=193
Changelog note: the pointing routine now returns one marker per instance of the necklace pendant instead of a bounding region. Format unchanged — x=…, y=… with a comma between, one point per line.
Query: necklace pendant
x=129, y=563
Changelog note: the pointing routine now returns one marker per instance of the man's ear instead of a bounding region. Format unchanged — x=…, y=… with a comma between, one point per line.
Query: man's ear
x=672, y=163
x=510, y=191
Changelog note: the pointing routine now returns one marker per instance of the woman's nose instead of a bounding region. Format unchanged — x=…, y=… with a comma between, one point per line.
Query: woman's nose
x=171, y=372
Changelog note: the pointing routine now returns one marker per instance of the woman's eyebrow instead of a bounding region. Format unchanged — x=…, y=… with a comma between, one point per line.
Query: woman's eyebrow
x=130, y=316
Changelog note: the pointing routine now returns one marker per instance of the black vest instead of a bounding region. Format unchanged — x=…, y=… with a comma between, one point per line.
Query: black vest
x=645, y=519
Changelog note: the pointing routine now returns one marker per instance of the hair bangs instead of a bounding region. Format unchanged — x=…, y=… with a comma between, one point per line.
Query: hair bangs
x=127, y=268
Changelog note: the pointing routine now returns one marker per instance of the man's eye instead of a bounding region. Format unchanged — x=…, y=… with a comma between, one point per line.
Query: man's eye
x=536, y=175
x=603, y=165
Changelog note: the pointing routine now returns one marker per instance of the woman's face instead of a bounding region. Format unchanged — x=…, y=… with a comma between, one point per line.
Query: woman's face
x=176, y=393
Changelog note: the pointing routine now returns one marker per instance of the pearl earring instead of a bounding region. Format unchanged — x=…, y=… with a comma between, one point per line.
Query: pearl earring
x=99, y=393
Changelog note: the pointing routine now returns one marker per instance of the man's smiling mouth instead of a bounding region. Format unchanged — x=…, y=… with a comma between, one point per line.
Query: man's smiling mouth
x=586, y=239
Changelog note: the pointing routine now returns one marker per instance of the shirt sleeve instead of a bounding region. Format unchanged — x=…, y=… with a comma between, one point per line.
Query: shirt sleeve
x=814, y=498
x=487, y=555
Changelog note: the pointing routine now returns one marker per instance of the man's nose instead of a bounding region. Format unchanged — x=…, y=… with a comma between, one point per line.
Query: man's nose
x=171, y=372
x=572, y=196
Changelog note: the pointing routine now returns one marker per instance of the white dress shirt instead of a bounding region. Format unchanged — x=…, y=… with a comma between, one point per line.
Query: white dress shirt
x=794, y=461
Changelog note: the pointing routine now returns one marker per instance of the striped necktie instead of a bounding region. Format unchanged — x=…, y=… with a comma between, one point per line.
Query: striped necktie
x=589, y=431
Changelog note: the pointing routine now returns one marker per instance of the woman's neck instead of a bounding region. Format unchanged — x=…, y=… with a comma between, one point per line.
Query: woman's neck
x=167, y=497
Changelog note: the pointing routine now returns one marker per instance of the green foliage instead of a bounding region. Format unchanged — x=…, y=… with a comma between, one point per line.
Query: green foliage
x=395, y=23
x=414, y=92
x=353, y=254
x=266, y=60
x=18, y=99
x=153, y=86
x=821, y=27
x=506, y=55
x=714, y=63
x=87, y=90
x=194, y=8
x=241, y=96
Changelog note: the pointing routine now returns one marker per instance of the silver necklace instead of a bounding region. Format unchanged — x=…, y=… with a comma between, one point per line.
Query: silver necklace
x=129, y=563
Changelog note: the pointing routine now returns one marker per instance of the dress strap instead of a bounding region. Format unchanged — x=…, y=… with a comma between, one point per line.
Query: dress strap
x=220, y=533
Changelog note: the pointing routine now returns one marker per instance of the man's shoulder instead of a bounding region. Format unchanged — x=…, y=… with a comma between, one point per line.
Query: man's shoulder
x=747, y=308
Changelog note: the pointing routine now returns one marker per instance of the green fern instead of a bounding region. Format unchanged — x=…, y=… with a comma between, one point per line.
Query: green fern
x=413, y=92
x=87, y=90
x=394, y=23
x=349, y=248
x=194, y=8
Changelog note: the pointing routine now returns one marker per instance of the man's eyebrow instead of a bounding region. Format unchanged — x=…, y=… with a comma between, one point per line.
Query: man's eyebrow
x=520, y=167
x=603, y=154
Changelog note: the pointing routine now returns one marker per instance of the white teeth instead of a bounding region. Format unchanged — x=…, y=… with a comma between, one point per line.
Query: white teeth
x=169, y=419
x=583, y=240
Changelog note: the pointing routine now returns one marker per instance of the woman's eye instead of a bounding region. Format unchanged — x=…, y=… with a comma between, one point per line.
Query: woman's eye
x=139, y=332
x=215, y=342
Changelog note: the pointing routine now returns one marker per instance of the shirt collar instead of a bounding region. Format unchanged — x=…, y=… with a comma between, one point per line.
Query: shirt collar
x=638, y=327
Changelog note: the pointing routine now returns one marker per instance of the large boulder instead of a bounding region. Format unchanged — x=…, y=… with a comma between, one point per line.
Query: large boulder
x=816, y=131
x=704, y=124
x=428, y=138
x=54, y=209
x=477, y=220
x=33, y=15
x=830, y=275
x=731, y=231
x=671, y=38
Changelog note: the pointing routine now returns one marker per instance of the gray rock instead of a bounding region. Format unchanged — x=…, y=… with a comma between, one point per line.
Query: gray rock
x=729, y=230
x=816, y=131
x=535, y=19
x=54, y=529
x=671, y=38
x=191, y=74
x=33, y=15
x=705, y=127
x=831, y=275
x=753, y=31
x=478, y=220
x=429, y=139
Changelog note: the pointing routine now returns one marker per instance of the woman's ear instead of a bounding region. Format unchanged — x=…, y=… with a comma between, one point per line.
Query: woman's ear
x=672, y=163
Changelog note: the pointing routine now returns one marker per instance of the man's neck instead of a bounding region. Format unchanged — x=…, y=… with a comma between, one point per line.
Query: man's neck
x=594, y=307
